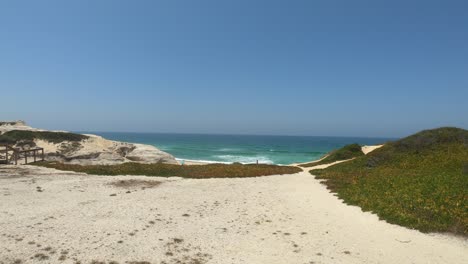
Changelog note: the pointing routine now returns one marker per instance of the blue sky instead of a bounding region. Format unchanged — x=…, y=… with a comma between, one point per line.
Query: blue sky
x=337, y=68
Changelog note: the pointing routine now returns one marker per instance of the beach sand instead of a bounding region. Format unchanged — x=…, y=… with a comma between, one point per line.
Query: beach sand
x=48, y=216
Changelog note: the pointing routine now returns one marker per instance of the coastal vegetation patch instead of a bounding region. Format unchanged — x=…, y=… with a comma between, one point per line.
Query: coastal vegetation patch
x=8, y=123
x=14, y=136
x=344, y=153
x=419, y=182
x=186, y=171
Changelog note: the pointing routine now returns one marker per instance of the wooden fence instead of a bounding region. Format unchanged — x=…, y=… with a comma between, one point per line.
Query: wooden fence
x=10, y=155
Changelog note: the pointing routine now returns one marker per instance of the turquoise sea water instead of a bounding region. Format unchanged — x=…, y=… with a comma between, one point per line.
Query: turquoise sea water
x=241, y=148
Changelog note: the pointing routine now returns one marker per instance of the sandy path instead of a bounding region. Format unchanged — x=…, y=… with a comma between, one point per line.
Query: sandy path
x=275, y=219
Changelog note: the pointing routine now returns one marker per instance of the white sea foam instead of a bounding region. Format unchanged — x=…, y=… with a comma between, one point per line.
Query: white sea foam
x=229, y=149
x=229, y=159
x=245, y=159
x=203, y=161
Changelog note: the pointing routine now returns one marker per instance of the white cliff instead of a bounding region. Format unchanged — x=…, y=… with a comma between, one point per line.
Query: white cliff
x=87, y=150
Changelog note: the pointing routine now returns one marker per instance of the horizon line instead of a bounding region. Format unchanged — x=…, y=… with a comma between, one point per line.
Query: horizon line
x=229, y=134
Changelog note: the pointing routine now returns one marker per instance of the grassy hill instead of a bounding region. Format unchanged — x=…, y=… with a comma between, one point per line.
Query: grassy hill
x=11, y=137
x=419, y=182
x=344, y=153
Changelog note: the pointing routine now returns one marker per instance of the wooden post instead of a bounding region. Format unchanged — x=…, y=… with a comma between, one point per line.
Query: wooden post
x=6, y=154
x=25, y=157
x=34, y=153
x=42, y=155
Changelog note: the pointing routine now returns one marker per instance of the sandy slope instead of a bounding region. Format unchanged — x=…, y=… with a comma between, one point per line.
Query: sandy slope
x=275, y=219
x=368, y=149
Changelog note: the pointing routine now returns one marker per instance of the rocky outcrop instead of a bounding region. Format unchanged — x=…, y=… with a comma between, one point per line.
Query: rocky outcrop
x=84, y=150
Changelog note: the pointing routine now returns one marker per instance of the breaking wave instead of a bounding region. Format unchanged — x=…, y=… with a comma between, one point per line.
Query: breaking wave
x=245, y=159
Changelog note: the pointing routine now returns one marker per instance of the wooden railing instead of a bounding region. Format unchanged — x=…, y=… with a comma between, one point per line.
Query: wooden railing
x=10, y=154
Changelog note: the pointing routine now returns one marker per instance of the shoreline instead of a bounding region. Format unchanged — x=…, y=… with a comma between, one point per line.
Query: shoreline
x=223, y=149
x=366, y=149
x=206, y=162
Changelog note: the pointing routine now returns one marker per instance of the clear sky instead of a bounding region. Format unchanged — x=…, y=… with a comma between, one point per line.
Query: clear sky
x=338, y=68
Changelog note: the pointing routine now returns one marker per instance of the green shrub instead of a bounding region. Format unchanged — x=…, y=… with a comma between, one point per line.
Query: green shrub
x=11, y=137
x=7, y=123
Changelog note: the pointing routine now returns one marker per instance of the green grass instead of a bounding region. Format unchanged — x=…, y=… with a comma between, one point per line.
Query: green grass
x=11, y=137
x=420, y=182
x=344, y=153
x=186, y=171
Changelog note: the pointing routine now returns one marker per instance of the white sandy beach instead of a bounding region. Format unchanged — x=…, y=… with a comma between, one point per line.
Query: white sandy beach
x=209, y=94
x=63, y=217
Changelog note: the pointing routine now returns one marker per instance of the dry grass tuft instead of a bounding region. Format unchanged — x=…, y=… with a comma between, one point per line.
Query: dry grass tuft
x=41, y=256
x=128, y=184
x=98, y=262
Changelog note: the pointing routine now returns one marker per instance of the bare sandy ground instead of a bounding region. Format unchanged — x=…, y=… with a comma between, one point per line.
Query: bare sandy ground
x=368, y=149
x=47, y=216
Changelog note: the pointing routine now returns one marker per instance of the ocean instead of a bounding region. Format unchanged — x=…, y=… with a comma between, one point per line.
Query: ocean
x=241, y=148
